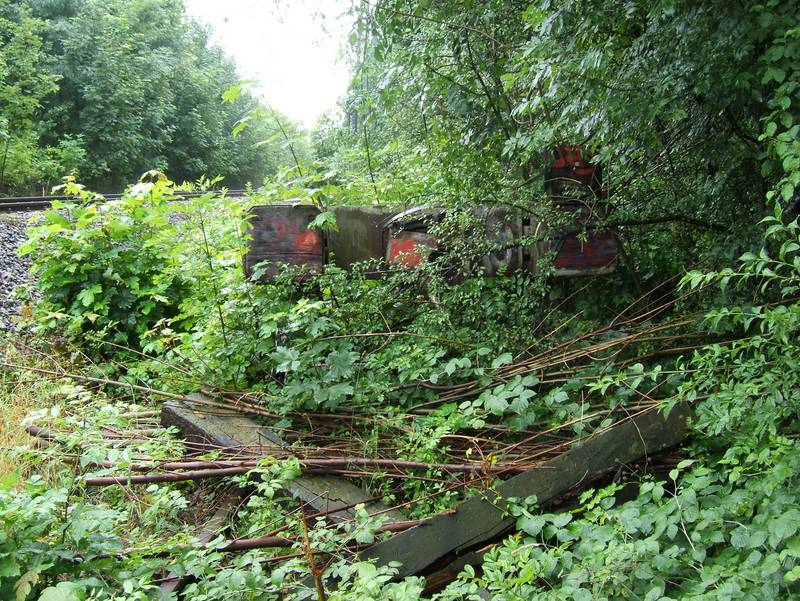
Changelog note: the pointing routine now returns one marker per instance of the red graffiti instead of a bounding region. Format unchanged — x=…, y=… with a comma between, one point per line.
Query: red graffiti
x=308, y=241
x=409, y=252
x=278, y=226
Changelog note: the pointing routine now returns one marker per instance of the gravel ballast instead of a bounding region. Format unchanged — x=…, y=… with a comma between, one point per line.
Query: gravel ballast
x=13, y=269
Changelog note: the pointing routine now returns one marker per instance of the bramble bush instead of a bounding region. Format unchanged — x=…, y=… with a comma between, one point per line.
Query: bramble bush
x=103, y=267
x=125, y=271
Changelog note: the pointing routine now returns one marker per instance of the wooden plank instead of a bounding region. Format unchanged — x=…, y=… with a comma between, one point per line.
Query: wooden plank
x=239, y=435
x=480, y=519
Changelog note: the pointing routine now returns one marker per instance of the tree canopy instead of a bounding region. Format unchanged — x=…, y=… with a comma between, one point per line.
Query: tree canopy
x=687, y=105
x=109, y=90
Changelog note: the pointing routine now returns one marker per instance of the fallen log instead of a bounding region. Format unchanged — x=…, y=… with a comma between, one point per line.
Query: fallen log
x=480, y=519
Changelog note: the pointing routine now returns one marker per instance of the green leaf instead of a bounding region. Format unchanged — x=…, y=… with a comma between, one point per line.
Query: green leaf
x=740, y=538
x=654, y=593
x=339, y=391
x=531, y=525
x=787, y=191
x=87, y=295
x=792, y=575
x=785, y=525
x=496, y=404
x=771, y=128
x=25, y=584
x=232, y=93
x=773, y=73
x=324, y=222
x=560, y=520
x=63, y=591
x=503, y=359
x=240, y=126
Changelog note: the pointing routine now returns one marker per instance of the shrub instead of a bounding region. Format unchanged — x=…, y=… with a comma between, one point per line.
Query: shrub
x=106, y=267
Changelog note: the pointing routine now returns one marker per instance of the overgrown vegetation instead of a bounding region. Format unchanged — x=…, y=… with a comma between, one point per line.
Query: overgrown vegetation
x=691, y=110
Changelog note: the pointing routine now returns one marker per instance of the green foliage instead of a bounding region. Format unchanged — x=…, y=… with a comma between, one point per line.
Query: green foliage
x=723, y=524
x=726, y=528
x=691, y=109
x=761, y=367
x=59, y=540
x=108, y=90
x=25, y=84
x=700, y=536
x=103, y=267
x=363, y=581
x=137, y=271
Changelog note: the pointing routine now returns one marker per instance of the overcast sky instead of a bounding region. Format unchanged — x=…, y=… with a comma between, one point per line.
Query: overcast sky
x=292, y=47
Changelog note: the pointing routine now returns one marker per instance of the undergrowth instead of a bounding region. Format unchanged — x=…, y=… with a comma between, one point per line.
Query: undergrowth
x=400, y=357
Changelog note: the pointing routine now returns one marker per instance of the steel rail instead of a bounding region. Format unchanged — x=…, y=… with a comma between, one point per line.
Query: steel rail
x=38, y=203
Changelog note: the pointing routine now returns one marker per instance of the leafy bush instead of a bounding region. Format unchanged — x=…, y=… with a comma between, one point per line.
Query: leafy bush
x=699, y=536
x=104, y=267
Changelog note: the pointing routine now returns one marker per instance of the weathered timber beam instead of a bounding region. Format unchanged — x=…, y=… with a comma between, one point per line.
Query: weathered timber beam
x=235, y=432
x=480, y=519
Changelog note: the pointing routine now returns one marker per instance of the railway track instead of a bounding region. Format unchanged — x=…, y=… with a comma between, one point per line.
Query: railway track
x=40, y=203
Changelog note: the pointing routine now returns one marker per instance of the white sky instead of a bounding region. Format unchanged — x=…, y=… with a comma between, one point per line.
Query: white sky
x=292, y=47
